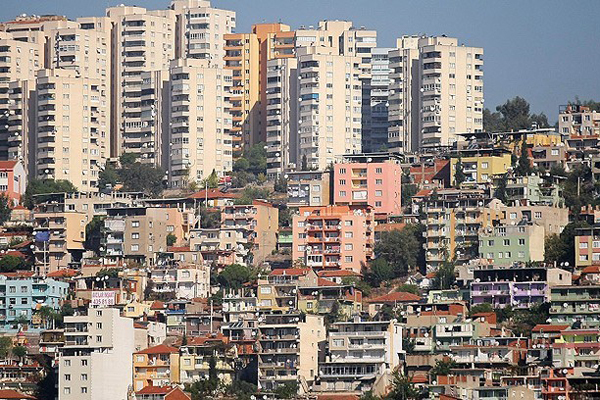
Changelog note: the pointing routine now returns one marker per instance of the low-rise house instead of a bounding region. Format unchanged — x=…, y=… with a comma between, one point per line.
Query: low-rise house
x=13, y=180
x=577, y=348
x=155, y=366
x=517, y=287
x=308, y=188
x=200, y=353
x=392, y=300
x=161, y=393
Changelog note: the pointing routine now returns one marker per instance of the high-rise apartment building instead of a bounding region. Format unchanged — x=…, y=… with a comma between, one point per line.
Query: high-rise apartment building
x=21, y=123
x=71, y=118
x=19, y=60
x=242, y=58
x=329, y=106
x=96, y=360
x=200, y=121
x=201, y=29
x=248, y=55
x=436, y=92
x=375, y=103
x=282, y=116
x=142, y=41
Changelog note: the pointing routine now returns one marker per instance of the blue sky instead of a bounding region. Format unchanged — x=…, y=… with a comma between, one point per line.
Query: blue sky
x=547, y=51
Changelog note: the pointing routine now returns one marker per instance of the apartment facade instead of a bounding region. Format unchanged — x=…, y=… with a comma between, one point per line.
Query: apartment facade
x=507, y=245
x=199, y=122
x=288, y=349
x=155, y=366
x=308, y=188
x=13, y=180
x=96, y=360
x=200, y=30
x=480, y=166
x=376, y=183
x=334, y=237
x=444, y=81
x=360, y=354
x=72, y=118
x=580, y=126
x=142, y=41
x=19, y=61
x=329, y=106
x=20, y=296
x=570, y=304
x=281, y=109
x=376, y=102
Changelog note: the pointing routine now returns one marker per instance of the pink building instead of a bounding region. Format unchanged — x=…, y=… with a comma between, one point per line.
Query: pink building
x=377, y=184
x=333, y=237
x=13, y=180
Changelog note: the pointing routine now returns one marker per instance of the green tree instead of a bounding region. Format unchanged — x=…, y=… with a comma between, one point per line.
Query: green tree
x=512, y=116
x=500, y=192
x=20, y=352
x=459, y=173
x=210, y=219
x=561, y=248
x=128, y=159
x=285, y=217
x=5, y=346
x=144, y=178
x=408, y=288
x=37, y=187
x=252, y=193
x=442, y=368
x=171, y=239
x=94, y=232
x=524, y=167
x=481, y=308
x=402, y=388
x=10, y=263
x=402, y=249
x=445, y=275
x=234, y=276
x=242, y=390
x=281, y=184
x=211, y=181
x=5, y=208
x=407, y=193
x=380, y=271
x=108, y=177
x=288, y=390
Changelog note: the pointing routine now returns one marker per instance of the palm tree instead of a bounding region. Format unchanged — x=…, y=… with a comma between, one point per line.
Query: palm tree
x=403, y=388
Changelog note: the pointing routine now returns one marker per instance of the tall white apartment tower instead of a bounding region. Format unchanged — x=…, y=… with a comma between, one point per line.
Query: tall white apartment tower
x=199, y=121
x=96, y=362
x=71, y=141
x=329, y=106
x=282, y=116
x=19, y=60
x=201, y=30
x=436, y=92
x=376, y=103
x=143, y=41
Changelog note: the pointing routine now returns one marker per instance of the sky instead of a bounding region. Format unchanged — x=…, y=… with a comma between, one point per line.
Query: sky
x=547, y=51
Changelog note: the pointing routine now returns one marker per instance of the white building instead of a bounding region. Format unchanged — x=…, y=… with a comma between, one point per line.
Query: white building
x=96, y=361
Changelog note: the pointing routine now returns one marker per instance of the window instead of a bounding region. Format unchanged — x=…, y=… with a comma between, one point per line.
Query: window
x=83, y=389
x=521, y=254
x=338, y=342
x=348, y=223
x=506, y=242
x=348, y=246
x=596, y=244
x=342, y=181
x=378, y=193
x=490, y=242
x=135, y=247
x=342, y=170
x=513, y=215
x=84, y=377
x=67, y=390
x=135, y=235
x=67, y=377
x=378, y=170
x=135, y=224
x=98, y=338
x=342, y=193
x=98, y=325
x=583, y=245
x=583, y=257
x=67, y=363
x=348, y=235
x=507, y=254
x=348, y=259
x=379, y=181
x=537, y=215
x=521, y=242
x=484, y=165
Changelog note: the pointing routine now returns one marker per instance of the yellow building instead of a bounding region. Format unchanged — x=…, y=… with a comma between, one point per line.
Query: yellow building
x=135, y=309
x=481, y=166
x=155, y=366
x=196, y=357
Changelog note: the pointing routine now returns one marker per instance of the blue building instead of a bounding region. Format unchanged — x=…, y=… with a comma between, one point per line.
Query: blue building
x=22, y=296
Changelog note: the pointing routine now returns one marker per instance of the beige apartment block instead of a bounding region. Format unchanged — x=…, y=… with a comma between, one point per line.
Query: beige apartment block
x=580, y=125
x=66, y=237
x=199, y=122
x=329, y=106
x=281, y=116
x=19, y=61
x=436, y=92
x=291, y=341
x=142, y=41
x=96, y=360
x=242, y=58
x=71, y=134
x=22, y=123
x=154, y=130
x=201, y=29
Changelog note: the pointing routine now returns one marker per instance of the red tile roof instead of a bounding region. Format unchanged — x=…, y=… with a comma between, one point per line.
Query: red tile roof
x=423, y=193
x=10, y=164
x=13, y=394
x=290, y=272
x=335, y=273
x=419, y=379
x=549, y=328
x=169, y=392
x=202, y=340
x=395, y=297
x=157, y=305
x=326, y=282
x=160, y=349
x=63, y=273
x=179, y=249
x=592, y=269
